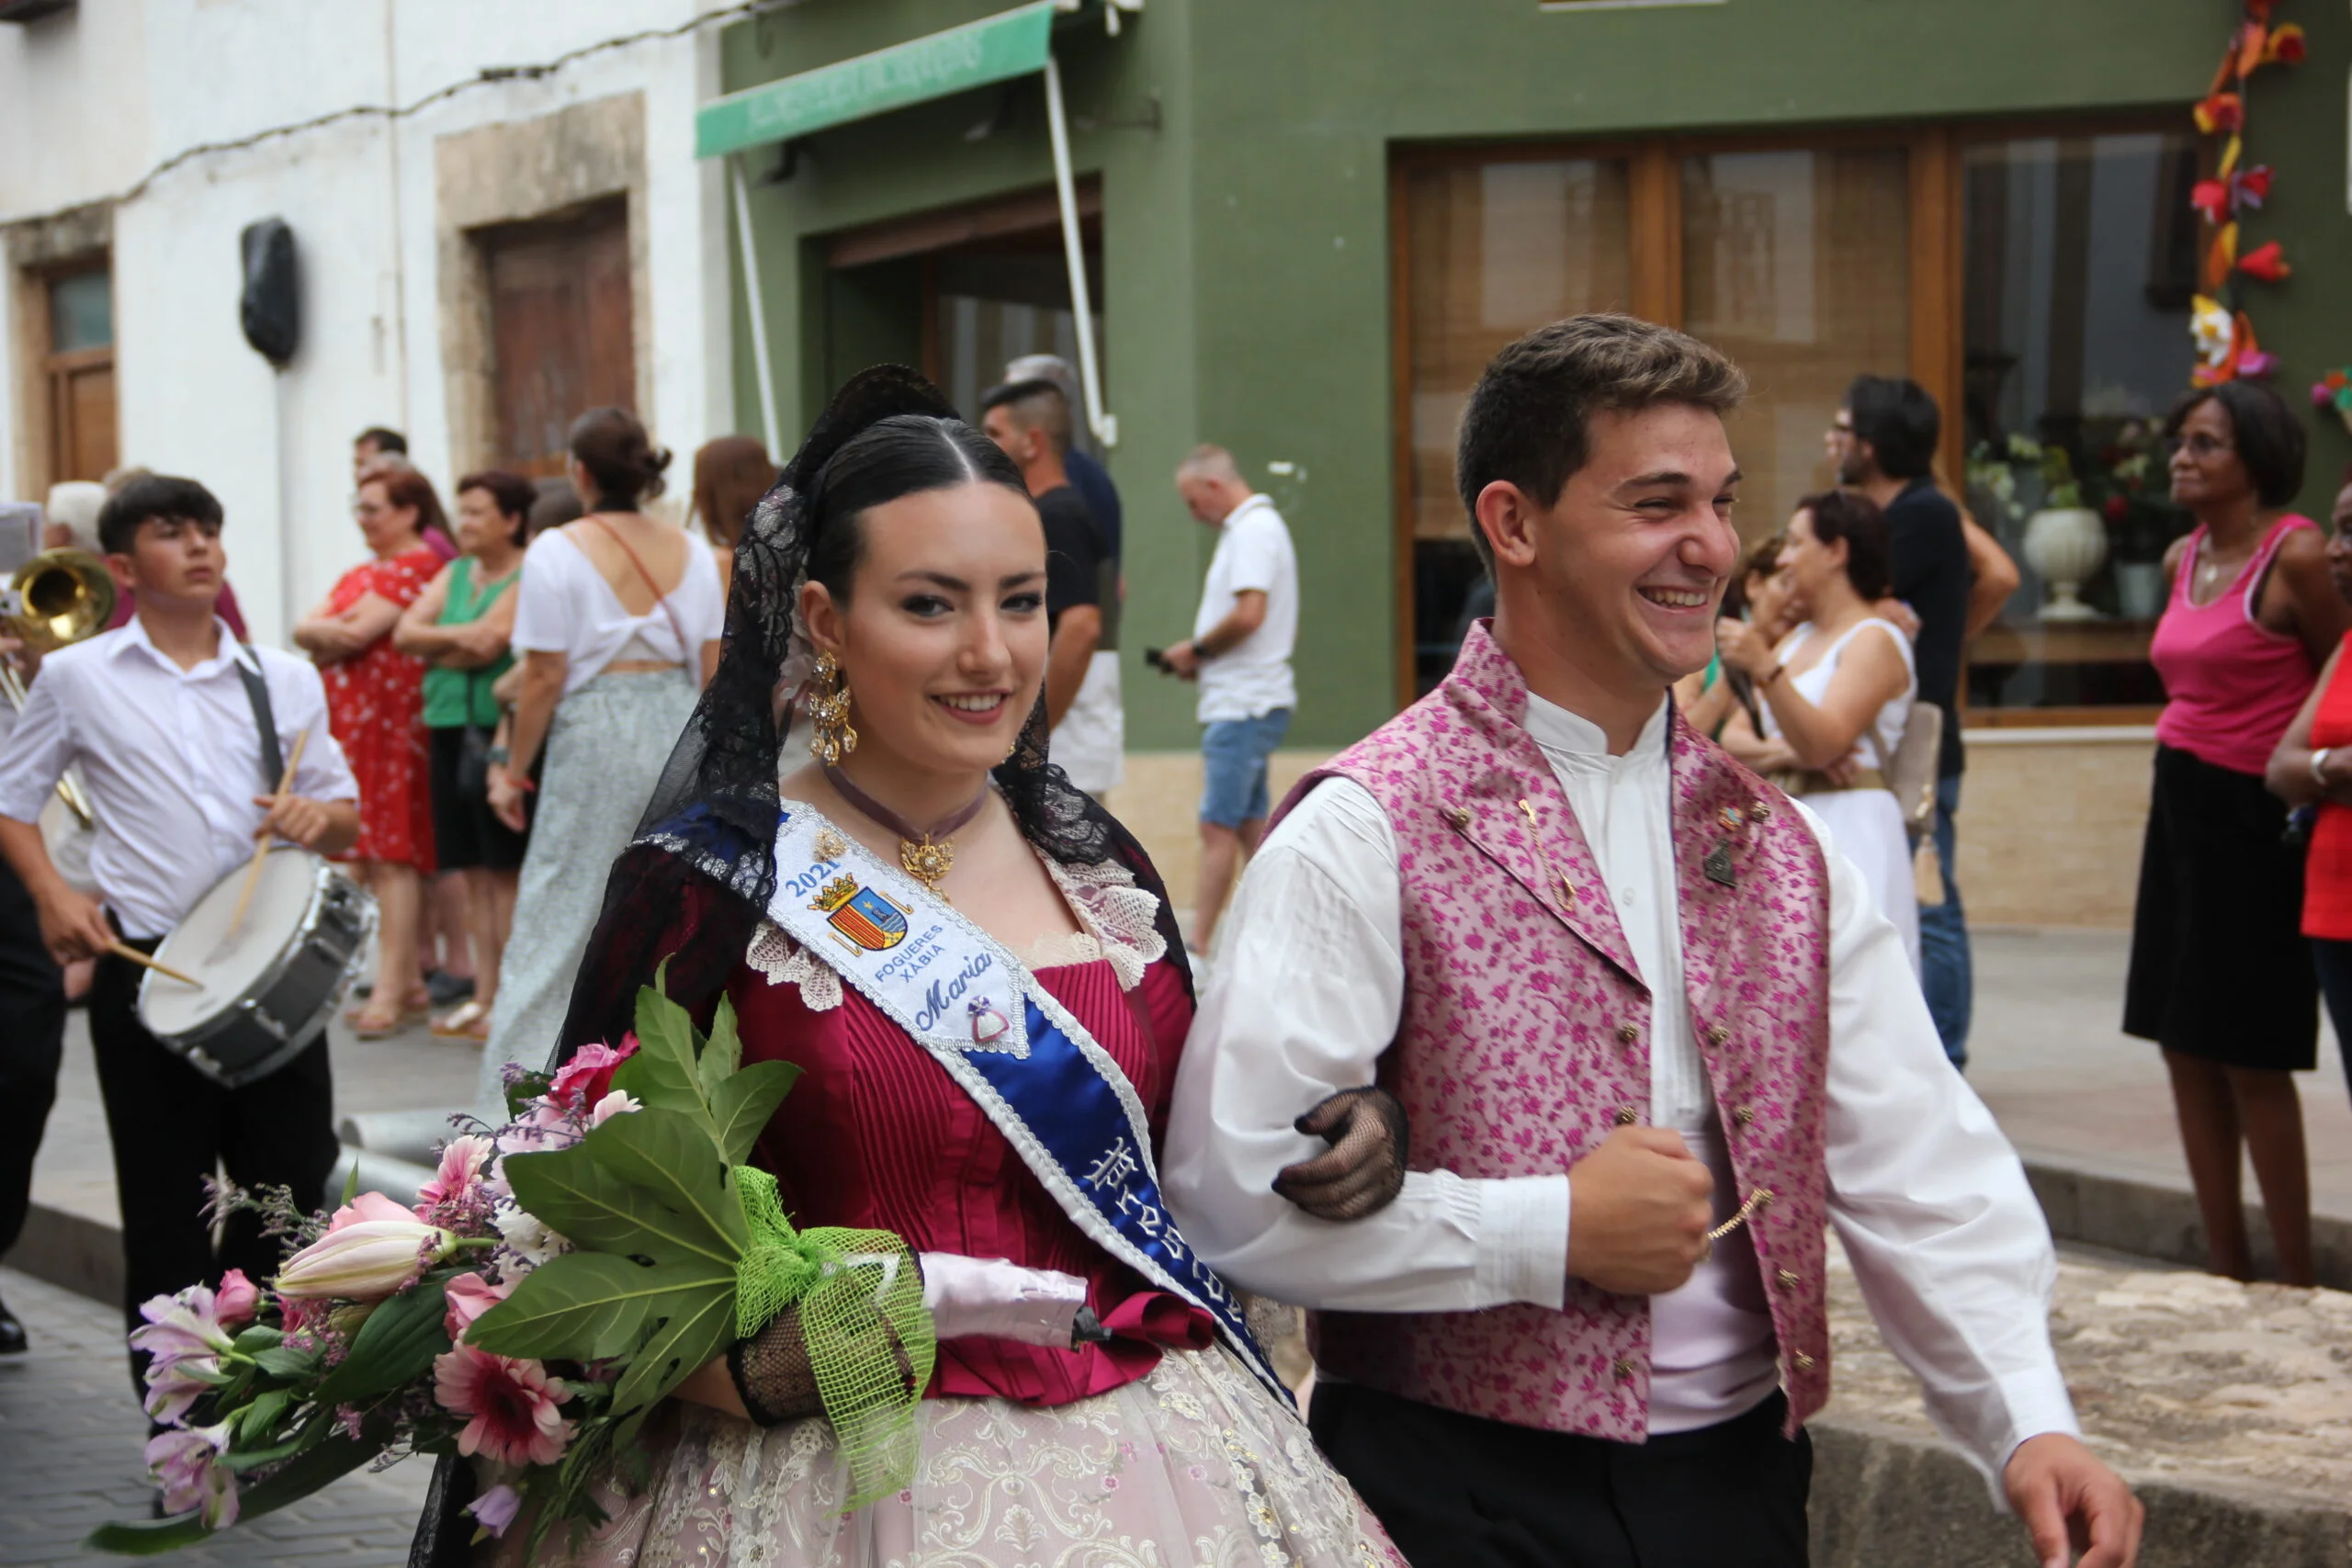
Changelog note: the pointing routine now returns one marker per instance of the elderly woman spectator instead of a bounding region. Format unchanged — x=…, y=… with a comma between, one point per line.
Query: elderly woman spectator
x=730, y=475
x=2313, y=767
x=459, y=626
x=618, y=622
x=375, y=706
x=1835, y=694
x=2219, y=975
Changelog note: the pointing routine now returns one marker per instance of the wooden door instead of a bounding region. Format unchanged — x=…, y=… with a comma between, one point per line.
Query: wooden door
x=562, y=337
x=79, y=372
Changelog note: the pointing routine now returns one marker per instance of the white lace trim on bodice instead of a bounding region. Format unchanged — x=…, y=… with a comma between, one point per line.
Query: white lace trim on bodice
x=1121, y=921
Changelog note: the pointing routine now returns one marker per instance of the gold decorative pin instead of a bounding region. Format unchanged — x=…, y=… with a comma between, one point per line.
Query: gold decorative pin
x=830, y=845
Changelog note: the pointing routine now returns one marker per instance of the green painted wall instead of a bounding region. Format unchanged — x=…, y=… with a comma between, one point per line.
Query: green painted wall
x=1247, y=240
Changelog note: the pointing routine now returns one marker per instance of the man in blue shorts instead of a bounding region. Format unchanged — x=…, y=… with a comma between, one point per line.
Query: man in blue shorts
x=1239, y=652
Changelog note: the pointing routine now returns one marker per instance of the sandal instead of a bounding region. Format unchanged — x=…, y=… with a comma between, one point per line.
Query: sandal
x=470, y=1021
x=367, y=1027
x=418, y=1003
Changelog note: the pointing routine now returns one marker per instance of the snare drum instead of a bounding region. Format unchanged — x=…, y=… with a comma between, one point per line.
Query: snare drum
x=269, y=988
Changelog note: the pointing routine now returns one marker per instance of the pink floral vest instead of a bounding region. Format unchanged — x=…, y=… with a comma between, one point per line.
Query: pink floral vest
x=1526, y=1038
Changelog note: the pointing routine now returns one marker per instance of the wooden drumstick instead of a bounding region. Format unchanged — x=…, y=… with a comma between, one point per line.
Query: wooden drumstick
x=124, y=950
x=261, y=844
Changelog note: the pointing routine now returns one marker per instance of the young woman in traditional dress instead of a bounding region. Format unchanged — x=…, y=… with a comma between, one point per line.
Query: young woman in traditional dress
x=976, y=968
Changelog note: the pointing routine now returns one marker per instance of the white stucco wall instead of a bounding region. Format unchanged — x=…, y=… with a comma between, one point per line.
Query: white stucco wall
x=92, y=100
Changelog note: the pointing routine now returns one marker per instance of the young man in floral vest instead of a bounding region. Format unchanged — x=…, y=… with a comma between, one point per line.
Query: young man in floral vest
x=1650, y=1038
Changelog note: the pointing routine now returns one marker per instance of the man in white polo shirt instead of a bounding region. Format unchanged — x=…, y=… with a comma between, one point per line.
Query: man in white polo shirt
x=1239, y=652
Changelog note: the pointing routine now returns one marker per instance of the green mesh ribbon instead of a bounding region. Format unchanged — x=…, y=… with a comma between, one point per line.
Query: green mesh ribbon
x=869, y=1336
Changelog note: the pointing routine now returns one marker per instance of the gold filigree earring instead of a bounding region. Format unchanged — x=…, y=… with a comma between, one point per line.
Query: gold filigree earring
x=829, y=712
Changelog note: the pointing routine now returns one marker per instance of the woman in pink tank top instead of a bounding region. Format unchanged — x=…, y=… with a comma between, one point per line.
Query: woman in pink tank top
x=2219, y=978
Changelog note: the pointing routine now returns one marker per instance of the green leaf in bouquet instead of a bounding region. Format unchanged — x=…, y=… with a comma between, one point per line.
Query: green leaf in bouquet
x=258, y=1337
x=351, y=1185
x=663, y=1029
x=652, y=1080
x=722, y=1053
x=210, y=1374
x=744, y=1102
x=668, y=1156
x=243, y=1460
x=697, y=1327
x=397, y=1343
x=286, y=1362
x=594, y=1208
x=259, y=1419
x=587, y=1306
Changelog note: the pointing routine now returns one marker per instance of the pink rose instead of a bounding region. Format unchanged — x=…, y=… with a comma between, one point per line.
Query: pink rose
x=470, y=1297
x=588, y=1077
x=237, y=1300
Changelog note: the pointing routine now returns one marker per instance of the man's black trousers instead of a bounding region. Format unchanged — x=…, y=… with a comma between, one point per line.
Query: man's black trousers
x=32, y=1042
x=170, y=1124
x=1458, y=1492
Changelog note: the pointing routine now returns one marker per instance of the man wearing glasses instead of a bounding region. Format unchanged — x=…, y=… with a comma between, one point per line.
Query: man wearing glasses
x=1883, y=444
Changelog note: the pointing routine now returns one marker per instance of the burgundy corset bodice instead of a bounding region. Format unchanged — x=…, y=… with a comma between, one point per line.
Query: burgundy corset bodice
x=877, y=1135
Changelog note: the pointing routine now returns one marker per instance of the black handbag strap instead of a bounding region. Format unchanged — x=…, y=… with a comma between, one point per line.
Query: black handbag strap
x=273, y=759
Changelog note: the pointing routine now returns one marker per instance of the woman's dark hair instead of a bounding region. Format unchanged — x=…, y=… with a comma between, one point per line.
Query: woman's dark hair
x=408, y=487
x=730, y=475
x=2270, y=439
x=896, y=456
x=150, y=497
x=1763, y=560
x=611, y=444
x=1869, y=548
x=511, y=493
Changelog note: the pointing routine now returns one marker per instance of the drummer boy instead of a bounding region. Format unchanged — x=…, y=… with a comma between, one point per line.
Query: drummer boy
x=159, y=718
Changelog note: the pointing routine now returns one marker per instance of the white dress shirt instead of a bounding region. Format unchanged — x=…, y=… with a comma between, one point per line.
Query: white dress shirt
x=1945, y=1236
x=171, y=759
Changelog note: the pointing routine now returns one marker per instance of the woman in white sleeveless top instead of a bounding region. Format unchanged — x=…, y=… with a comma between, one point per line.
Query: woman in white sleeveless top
x=1836, y=695
x=618, y=621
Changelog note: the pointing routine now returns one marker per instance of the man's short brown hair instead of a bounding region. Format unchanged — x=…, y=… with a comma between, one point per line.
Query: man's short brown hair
x=1527, y=417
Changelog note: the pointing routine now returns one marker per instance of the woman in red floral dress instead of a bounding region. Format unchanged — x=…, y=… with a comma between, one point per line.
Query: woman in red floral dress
x=374, y=705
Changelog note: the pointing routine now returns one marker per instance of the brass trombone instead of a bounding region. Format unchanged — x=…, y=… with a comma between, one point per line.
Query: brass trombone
x=57, y=598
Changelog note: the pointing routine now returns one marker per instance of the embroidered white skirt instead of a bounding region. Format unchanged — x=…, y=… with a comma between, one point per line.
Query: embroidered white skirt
x=607, y=747
x=1196, y=1464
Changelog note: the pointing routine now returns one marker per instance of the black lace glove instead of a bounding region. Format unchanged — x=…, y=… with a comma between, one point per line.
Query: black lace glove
x=1365, y=1168
x=773, y=1375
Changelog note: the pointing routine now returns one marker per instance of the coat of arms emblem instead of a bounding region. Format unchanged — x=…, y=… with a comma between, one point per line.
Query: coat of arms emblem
x=861, y=917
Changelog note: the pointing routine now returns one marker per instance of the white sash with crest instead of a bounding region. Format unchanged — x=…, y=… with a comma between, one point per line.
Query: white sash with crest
x=1031, y=1067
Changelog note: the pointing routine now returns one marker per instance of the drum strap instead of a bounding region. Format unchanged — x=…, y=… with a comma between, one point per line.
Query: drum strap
x=272, y=759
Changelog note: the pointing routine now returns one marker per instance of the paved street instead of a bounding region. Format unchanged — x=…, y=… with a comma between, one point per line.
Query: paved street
x=70, y=1440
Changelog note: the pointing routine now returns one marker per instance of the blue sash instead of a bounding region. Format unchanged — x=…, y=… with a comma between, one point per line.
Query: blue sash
x=1031, y=1067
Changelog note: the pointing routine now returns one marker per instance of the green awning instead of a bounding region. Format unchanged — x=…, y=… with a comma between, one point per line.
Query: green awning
x=994, y=49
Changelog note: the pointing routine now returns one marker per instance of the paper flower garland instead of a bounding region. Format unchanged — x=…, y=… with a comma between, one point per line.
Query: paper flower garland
x=2224, y=337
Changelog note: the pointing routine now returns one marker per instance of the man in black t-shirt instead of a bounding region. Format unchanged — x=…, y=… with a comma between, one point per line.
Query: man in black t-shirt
x=1885, y=445
x=1029, y=420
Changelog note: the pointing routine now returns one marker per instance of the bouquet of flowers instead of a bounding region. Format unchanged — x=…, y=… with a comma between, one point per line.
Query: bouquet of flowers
x=560, y=1276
